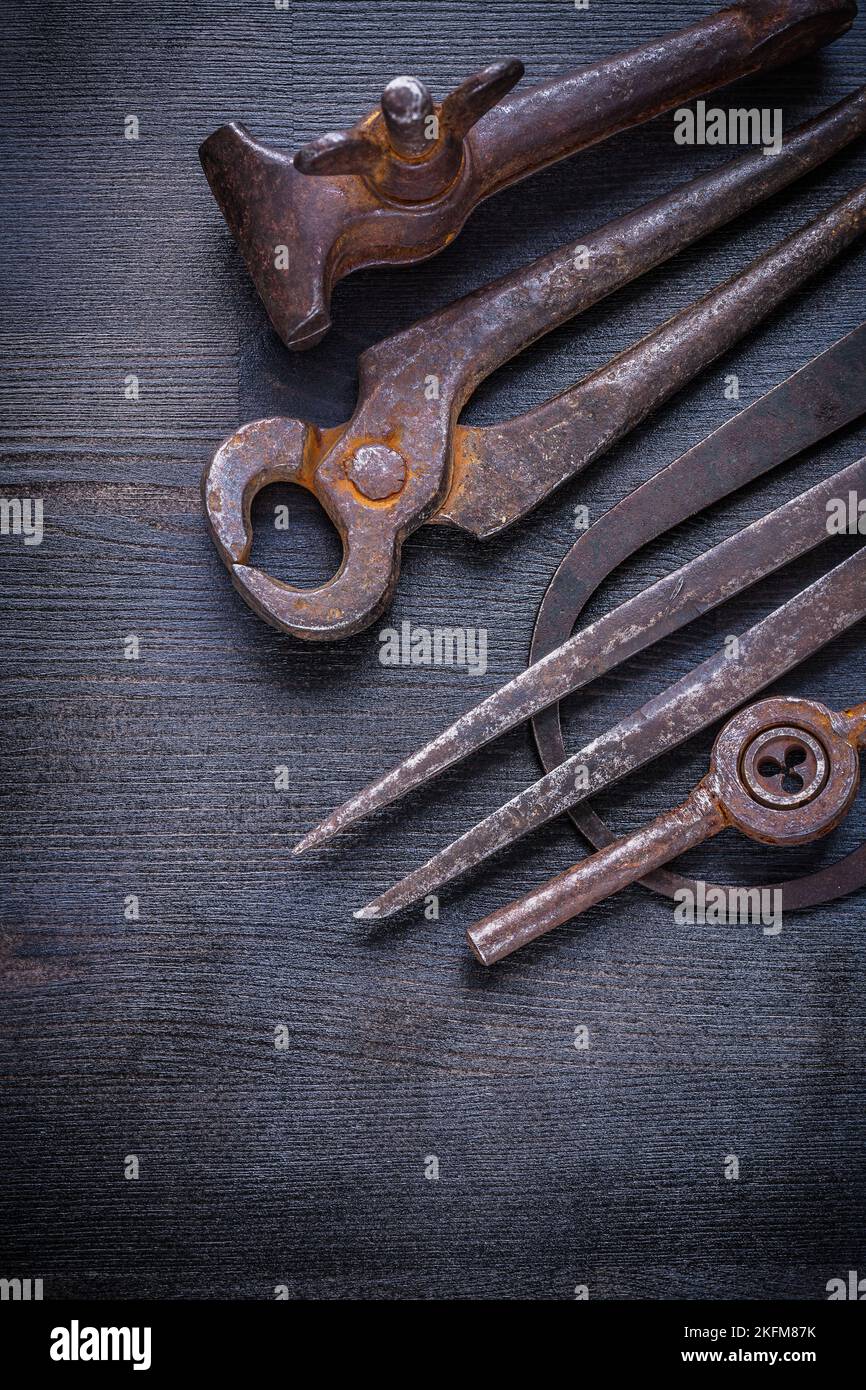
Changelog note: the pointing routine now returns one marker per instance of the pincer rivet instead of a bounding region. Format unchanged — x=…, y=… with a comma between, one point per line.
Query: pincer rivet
x=376, y=471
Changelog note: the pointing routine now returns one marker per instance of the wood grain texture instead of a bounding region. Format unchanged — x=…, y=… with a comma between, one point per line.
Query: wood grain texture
x=155, y=777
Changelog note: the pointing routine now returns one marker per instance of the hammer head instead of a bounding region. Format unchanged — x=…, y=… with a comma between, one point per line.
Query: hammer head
x=286, y=227
x=393, y=190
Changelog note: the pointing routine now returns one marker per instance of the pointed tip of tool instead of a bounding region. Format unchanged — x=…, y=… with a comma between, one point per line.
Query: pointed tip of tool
x=308, y=842
x=367, y=914
x=320, y=834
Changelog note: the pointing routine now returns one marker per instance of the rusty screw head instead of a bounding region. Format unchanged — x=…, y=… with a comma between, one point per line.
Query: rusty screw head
x=785, y=767
x=377, y=471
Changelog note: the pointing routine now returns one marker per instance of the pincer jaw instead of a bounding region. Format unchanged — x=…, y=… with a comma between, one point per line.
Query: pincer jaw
x=286, y=450
x=264, y=452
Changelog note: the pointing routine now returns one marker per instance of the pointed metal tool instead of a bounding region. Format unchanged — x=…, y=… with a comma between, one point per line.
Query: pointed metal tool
x=768, y=650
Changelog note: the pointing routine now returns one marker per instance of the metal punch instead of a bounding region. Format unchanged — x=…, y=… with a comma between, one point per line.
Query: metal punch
x=825, y=395
x=403, y=460
x=398, y=186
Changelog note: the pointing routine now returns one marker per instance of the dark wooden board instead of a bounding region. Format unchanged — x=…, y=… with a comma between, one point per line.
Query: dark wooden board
x=305, y=1167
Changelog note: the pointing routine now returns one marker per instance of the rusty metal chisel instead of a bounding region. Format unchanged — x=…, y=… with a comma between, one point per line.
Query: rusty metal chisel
x=766, y=651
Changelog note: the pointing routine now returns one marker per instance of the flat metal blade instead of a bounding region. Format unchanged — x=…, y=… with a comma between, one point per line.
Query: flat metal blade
x=768, y=650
